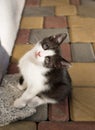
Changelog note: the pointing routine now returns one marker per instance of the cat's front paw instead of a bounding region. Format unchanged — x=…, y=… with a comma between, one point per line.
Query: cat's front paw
x=18, y=103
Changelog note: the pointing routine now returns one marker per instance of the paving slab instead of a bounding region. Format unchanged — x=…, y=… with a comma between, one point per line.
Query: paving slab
x=83, y=104
x=54, y=2
x=39, y=34
x=66, y=125
x=88, y=2
x=82, y=52
x=55, y=22
x=40, y=115
x=23, y=36
x=59, y=112
x=31, y=22
x=32, y=3
x=86, y=11
x=39, y=11
x=83, y=74
x=12, y=68
x=83, y=34
x=75, y=2
x=79, y=21
x=82, y=29
x=21, y=125
x=65, y=10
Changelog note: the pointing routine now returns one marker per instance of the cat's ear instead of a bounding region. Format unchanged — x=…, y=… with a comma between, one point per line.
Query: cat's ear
x=65, y=63
x=59, y=38
x=62, y=63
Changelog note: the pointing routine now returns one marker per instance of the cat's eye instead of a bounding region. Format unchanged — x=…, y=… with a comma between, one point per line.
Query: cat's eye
x=47, y=60
x=45, y=46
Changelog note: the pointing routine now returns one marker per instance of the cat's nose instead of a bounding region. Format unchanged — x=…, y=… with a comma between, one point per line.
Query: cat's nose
x=38, y=54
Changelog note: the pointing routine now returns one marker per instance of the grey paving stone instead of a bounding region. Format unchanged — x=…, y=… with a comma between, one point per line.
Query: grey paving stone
x=87, y=8
x=86, y=11
x=88, y=2
x=40, y=115
x=82, y=52
x=39, y=11
x=39, y=34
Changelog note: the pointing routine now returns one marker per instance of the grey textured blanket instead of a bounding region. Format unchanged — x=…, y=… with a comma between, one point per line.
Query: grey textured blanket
x=8, y=93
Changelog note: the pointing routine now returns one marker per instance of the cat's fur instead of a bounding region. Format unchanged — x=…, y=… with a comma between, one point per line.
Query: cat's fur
x=44, y=74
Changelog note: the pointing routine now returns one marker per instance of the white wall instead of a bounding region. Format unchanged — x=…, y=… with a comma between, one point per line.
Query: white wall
x=10, y=15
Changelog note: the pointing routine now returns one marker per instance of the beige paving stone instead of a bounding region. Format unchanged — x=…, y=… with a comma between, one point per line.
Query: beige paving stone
x=82, y=34
x=82, y=74
x=78, y=21
x=66, y=10
x=21, y=125
x=54, y=2
x=31, y=22
x=82, y=107
x=19, y=51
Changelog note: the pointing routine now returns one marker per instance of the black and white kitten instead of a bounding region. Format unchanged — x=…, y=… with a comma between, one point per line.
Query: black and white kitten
x=44, y=74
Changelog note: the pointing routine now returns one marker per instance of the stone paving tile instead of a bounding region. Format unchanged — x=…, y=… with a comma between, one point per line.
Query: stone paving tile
x=75, y=2
x=65, y=10
x=32, y=3
x=82, y=29
x=78, y=21
x=83, y=104
x=55, y=22
x=59, y=112
x=40, y=115
x=31, y=22
x=66, y=51
x=12, y=68
x=86, y=11
x=82, y=52
x=19, y=51
x=83, y=74
x=66, y=125
x=21, y=125
x=39, y=34
x=39, y=11
x=54, y=2
x=23, y=36
x=82, y=34
x=88, y=2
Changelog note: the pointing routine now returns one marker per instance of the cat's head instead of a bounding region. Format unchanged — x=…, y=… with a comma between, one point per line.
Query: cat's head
x=46, y=52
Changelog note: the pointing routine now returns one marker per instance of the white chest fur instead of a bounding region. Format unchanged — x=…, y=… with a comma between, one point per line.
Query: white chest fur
x=33, y=74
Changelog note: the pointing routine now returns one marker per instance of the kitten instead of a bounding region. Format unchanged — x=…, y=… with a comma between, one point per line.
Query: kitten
x=44, y=74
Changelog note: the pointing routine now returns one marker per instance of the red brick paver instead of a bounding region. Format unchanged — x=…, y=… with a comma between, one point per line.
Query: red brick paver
x=23, y=36
x=55, y=22
x=66, y=126
x=32, y=3
x=59, y=112
x=75, y=2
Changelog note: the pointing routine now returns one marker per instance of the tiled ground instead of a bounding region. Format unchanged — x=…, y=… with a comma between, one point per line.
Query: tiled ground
x=77, y=18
